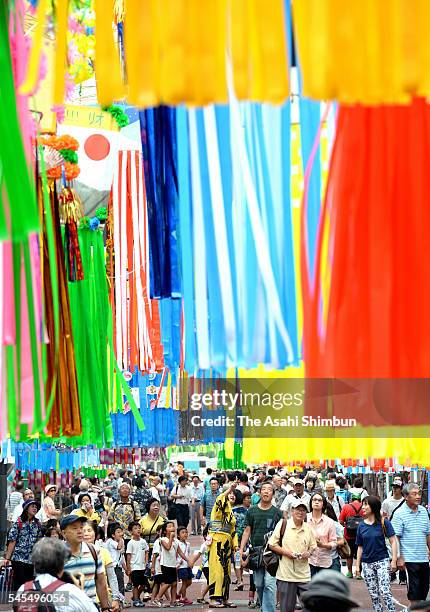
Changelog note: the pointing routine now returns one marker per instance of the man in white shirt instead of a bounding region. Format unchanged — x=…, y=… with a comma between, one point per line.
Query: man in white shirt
x=299, y=493
x=28, y=494
x=197, y=492
x=156, y=488
x=49, y=556
x=15, y=498
x=182, y=496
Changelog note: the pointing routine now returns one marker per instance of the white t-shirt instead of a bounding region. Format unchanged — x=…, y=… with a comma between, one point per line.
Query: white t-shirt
x=156, y=551
x=204, y=551
x=17, y=513
x=185, y=547
x=168, y=557
x=137, y=549
x=185, y=493
x=112, y=547
x=78, y=601
x=155, y=493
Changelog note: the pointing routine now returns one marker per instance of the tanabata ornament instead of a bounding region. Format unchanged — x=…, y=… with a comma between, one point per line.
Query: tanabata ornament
x=372, y=321
x=136, y=316
x=172, y=46
x=363, y=51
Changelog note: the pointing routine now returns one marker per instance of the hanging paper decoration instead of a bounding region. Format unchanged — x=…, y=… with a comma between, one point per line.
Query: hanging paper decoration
x=374, y=326
x=236, y=233
x=136, y=316
x=363, y=52
x=158, y=133
x=177, y=51
x=118, y=114
x=67, y=147
x=65, y=418
x=161, y=427
x=70, y=213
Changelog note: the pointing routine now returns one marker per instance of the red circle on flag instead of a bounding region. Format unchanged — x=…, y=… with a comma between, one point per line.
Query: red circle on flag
x=97, y=147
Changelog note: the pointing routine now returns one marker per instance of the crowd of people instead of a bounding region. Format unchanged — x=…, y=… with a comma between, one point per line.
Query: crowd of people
x=286, y=531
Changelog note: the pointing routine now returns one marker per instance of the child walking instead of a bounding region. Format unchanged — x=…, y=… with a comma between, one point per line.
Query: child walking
x=137, y=558
x=169, y=547
x=156, y=572
x=203, y=553
x=185, y=574
x=115, y=546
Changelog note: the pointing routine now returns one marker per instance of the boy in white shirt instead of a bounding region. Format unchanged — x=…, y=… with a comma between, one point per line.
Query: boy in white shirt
x=185, y=574
x=115, y=546
x=137, y=558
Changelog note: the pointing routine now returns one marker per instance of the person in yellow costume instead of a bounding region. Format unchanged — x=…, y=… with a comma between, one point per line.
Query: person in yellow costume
x=223, y=537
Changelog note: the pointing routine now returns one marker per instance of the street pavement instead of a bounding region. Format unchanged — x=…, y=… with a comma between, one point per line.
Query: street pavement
x=358, y=591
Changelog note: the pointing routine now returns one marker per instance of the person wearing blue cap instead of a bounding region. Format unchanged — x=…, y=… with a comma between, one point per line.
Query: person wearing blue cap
x=85, y=560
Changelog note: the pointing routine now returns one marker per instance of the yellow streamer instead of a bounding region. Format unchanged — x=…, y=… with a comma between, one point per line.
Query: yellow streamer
x=108, y=70
x=142, y=50
x=60, y=51
x=176, y=51
x=363, y=51
x=31, y=78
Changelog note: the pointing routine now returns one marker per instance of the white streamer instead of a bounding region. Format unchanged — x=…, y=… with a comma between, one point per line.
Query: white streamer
x=199, y=250
x=221, y=242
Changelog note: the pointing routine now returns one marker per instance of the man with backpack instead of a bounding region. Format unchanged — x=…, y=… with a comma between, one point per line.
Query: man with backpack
x=49, y=556
x=260, y=520
x=335, y=500
x=350, y=517
x=125, y=511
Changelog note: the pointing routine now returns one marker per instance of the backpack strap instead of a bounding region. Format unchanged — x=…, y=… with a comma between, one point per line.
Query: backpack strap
x=53, y=586
x=29, y=586
x=95, y=557
x=396, y=508
x=282, y=532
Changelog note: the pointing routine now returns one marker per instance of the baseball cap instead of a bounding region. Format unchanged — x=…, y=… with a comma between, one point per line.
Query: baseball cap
x=299, y=481
x=397, y=482
x=70, y=519
x=296, y=503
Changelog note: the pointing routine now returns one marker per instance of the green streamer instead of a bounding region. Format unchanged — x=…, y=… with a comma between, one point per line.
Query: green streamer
x=16, y=257
x=22, y=207
x=11, y=390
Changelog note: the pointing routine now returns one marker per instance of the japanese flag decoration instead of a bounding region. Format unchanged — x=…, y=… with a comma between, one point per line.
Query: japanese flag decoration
x=99, y=142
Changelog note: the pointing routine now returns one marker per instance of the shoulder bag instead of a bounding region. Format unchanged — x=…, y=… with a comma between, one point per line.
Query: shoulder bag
x=270, y=558
x=171, y=507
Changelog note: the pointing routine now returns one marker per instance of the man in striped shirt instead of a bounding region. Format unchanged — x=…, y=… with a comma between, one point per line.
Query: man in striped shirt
x=84, y=560
x=15, y=498
x=412, y=526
